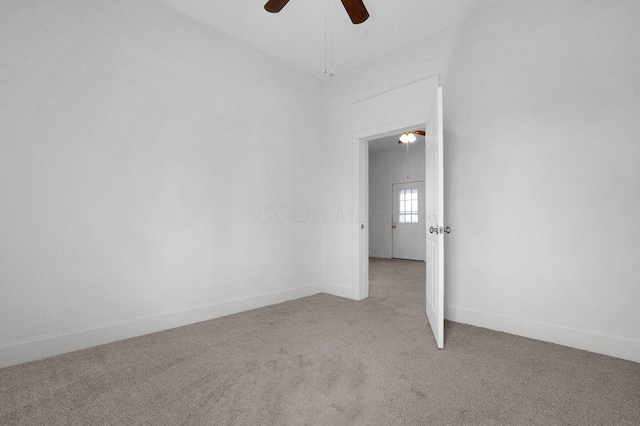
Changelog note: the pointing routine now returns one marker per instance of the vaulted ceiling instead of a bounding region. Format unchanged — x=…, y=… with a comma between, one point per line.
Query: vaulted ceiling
x=314, y=35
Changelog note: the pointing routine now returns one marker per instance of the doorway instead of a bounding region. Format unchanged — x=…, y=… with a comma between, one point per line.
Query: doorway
x=373, y=116
x=392, y=168
x=396, y=201
x=386, y=115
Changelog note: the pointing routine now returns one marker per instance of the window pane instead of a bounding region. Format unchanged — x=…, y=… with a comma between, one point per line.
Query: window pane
x=408, y=205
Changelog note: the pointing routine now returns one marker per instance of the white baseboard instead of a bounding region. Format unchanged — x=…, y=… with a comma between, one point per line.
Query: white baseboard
x=341, y=291
x=34, y=349
x=580, y=339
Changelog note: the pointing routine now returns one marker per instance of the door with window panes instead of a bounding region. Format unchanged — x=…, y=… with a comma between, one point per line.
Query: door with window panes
x=408, y=227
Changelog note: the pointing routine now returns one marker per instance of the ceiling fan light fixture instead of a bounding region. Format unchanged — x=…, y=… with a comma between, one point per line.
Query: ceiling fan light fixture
x=407, y=138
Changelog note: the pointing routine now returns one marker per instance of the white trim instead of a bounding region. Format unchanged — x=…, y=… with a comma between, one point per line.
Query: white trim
x=340, y=291
x=363, y=285
x=34, y=349
x=614, y=346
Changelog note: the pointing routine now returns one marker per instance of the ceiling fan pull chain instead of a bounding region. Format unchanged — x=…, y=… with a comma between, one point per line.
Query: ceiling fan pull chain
x=328, y=34
x=328, y=6
x=407, y=160
x=324, y=70
x=331, y=43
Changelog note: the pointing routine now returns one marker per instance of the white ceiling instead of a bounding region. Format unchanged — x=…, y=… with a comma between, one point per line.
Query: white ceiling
x=296, y=35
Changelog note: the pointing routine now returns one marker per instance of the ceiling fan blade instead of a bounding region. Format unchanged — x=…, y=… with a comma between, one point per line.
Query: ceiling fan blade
x=275, y=6
x=356, y=10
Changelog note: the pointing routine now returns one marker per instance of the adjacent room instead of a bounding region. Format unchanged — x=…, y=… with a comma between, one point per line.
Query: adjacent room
x=190, y=221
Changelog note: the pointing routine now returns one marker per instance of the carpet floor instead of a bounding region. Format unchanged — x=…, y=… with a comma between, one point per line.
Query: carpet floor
x=324, y=360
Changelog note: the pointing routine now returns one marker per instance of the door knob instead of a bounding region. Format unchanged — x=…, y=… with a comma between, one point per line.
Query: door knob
x=393, y=225
x=442, y=230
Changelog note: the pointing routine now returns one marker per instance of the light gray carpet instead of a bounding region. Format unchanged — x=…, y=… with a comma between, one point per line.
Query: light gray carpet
x=323, y=360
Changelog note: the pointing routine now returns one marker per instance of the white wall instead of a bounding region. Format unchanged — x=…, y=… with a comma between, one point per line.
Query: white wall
x=130, y=204
x=542, y=180
x=385, y=169
x=151, y=175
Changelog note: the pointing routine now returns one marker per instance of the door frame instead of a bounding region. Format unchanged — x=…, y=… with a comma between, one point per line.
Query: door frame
x=398, y=110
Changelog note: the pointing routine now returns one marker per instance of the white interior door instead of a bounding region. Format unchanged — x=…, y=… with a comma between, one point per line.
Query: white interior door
x=435, y=219
x=408, y=221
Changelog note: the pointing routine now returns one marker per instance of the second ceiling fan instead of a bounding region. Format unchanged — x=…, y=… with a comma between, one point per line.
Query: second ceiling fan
x=409, y=137
x=355, y=9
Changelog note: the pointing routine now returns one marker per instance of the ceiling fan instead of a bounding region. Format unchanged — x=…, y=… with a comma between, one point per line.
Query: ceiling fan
x=409, y=137
x=355, y=9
